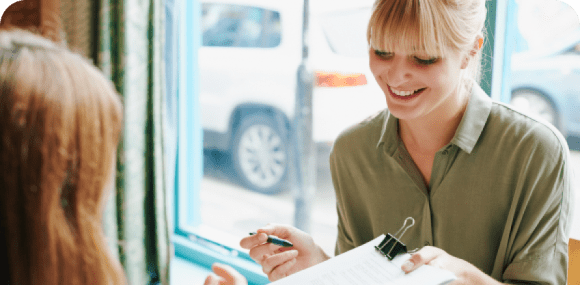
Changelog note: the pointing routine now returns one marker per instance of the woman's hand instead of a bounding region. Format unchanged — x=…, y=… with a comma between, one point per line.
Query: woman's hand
x=278, y=262
x=224, y=275
x=465, y=272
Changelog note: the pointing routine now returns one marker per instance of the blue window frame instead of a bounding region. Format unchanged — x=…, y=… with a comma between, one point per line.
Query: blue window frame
x=188, y=162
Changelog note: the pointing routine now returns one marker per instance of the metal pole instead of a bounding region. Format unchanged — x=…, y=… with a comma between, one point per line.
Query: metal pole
x=304, y=154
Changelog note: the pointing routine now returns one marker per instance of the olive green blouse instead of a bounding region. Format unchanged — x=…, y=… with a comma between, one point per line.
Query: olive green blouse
x=499, y=195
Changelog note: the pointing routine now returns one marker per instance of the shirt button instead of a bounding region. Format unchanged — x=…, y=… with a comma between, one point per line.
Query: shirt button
x=445, y=152
x=427, y=243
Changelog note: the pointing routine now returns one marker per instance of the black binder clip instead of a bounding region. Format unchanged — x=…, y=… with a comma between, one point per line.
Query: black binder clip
x=391, y=246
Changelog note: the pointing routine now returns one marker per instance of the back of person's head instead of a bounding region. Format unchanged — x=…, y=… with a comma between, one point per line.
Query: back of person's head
x=432, y=26
x=60, y=122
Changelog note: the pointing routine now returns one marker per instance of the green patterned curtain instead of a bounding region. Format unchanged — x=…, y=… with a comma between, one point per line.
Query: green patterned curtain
x=129, y=51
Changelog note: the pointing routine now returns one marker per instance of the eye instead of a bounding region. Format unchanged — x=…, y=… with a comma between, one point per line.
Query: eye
x=384, y=54
x=427, y=61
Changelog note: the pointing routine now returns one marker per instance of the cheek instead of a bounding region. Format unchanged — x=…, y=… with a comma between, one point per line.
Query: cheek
x=436, y=80
x=377, y=67
x=439, y=78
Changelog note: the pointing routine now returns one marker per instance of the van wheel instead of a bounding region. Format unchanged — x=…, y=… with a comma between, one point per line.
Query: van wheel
x=260, y=154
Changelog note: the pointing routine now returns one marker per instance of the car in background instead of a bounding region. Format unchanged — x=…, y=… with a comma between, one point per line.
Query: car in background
x=249, y=62
x=546, y=84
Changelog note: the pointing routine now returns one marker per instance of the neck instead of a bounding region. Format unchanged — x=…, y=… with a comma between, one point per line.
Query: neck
x=430, y=133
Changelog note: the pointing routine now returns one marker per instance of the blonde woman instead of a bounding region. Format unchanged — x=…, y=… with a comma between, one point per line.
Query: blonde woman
x=488, y=187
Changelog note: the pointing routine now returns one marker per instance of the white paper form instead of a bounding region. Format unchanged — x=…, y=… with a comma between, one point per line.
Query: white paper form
x=365, y=266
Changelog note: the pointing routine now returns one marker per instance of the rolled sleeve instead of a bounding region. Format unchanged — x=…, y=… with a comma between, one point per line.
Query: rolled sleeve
x=539, y=252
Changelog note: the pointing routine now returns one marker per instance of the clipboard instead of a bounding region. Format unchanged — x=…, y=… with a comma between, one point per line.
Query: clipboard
x=377, y=262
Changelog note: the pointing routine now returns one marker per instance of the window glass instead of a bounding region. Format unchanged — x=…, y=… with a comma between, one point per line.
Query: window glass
x=545, y=71
x=247, y=104
x=239, y=26
x=346, y=31
x=545, y=63
x=248, y=98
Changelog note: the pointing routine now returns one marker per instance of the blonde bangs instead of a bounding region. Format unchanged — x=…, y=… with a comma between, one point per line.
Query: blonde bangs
x=410, y=25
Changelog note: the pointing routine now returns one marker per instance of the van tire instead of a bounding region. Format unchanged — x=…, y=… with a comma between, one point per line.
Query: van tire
x=260, y=154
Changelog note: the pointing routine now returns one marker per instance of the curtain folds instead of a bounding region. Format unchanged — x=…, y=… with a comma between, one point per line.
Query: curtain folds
x=125, y=38
x=130, y=43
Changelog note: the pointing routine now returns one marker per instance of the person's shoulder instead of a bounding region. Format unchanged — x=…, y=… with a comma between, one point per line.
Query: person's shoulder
x=522, y=130
x=366, y=133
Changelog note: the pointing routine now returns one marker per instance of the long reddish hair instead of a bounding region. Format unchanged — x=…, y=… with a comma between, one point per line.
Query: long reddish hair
x=60, y=122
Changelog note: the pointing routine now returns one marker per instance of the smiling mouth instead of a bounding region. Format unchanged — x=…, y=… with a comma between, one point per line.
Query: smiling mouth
x=399, y=93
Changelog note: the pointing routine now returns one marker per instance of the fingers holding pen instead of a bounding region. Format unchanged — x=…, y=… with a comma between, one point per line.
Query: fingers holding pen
x=277, y=241
x=276, y=230
x=254, y=240
x=265, y=242
x=296, y=252
x=260, y=236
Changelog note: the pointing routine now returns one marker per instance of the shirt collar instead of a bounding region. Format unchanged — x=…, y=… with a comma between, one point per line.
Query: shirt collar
x=473, y=121
x=468, y=131
x=389, y=133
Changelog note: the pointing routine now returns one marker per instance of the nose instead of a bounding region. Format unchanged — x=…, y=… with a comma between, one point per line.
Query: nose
x=399, y=72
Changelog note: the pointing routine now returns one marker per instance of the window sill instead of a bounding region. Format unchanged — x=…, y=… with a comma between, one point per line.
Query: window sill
x=201, y=254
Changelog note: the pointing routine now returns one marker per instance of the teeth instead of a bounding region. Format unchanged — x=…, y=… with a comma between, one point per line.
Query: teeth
x=403, y=93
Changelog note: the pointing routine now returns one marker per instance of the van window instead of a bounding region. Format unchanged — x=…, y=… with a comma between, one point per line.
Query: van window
x=227, y=25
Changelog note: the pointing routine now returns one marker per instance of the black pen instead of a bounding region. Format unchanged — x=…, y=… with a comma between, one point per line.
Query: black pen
x=276, y=241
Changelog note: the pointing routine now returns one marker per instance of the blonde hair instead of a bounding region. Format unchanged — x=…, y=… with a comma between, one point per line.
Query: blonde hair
x=430, y=26
x=60, y=122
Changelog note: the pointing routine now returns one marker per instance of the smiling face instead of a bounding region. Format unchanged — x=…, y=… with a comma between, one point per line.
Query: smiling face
x=418, y=85
x=422, y=54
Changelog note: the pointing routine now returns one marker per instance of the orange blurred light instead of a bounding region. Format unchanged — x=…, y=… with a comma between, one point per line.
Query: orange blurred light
x=335, y=79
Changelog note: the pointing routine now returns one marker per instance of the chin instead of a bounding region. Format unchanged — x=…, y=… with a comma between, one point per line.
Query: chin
x=400, y=114
x=398, y=109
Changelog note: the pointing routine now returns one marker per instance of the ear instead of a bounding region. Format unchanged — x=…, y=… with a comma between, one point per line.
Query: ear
x=477, y=46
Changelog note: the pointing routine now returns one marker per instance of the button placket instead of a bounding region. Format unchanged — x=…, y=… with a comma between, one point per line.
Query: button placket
x=406, y=162
x=439, y=166
x=426, y=227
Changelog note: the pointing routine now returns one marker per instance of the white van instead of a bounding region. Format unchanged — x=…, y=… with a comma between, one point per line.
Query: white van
x=248, y=69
